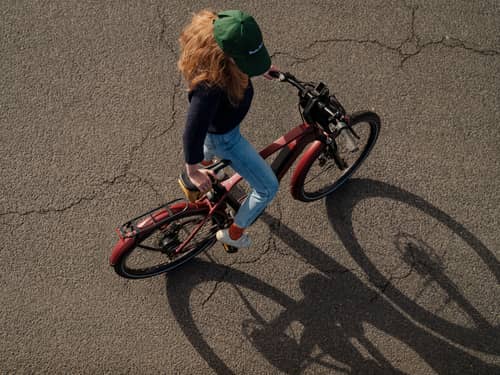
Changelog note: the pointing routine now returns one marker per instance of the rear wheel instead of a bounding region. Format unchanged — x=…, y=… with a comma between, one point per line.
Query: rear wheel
x=157, y=252
x=330, y=165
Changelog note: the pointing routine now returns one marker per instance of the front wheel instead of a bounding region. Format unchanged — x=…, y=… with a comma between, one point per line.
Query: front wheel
x=157, y=251
x=325, y=167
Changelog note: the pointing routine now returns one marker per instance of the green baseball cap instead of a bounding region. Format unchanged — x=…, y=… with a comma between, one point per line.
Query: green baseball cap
x=239, y=36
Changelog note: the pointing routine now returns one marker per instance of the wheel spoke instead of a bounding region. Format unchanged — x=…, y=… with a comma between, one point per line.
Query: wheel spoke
x=320, y=173
x=149, y=248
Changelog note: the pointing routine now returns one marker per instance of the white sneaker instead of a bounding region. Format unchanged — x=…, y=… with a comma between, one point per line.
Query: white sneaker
x=243, y=242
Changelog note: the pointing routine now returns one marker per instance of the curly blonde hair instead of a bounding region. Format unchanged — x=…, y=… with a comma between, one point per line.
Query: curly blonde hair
x=202, y=60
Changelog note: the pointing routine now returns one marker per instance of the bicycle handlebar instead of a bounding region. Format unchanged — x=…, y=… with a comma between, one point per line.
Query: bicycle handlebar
x=288, y=77
x=317, y=103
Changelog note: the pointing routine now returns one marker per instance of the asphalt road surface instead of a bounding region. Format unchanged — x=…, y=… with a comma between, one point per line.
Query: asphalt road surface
x=396, y=273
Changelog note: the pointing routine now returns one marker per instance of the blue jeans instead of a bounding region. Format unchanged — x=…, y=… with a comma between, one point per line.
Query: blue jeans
x=247, y=162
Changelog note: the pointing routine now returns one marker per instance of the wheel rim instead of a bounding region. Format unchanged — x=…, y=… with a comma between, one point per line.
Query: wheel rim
x=324, y=175
x=157, y=252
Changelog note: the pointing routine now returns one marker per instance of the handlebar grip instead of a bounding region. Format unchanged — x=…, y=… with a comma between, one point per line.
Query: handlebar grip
x=274, y=74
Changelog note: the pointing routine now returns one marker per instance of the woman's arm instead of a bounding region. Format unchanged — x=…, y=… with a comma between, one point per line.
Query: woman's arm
x=202, y=109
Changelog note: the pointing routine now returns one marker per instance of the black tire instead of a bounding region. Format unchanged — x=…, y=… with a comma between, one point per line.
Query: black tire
x=148, y=257
x=322, y=175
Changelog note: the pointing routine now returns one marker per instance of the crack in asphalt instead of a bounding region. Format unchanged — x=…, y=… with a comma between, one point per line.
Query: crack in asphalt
x=81, y=200
x=298, y=59
x=448, y=42
x=173, y=110
x=134, y=150
x=163, y=42
x=147, y=183
x=163, y=30
x=44, y=211
x=217, y=283
x=412, y=42
x=106, y=183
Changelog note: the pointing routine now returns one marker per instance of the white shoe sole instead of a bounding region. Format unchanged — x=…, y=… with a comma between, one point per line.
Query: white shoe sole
x=242, y=243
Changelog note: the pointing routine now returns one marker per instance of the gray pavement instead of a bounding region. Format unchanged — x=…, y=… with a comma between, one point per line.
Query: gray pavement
x=396, y=273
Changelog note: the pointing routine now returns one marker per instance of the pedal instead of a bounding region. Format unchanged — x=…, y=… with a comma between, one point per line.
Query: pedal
x=230, y=249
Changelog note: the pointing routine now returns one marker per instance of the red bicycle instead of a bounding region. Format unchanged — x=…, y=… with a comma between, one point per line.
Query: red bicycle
x=335, y=145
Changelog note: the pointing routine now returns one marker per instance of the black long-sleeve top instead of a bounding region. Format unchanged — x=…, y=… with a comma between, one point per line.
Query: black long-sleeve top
x=211, y=112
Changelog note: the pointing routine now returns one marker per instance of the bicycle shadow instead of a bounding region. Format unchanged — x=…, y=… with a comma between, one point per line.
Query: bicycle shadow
x=337, y=305
x=417, y=253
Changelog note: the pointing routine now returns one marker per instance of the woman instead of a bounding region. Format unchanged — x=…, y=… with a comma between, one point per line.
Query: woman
x=219, y=54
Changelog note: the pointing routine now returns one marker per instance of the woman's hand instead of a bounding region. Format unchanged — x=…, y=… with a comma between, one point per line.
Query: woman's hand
x=199, y=177
x=271, y=69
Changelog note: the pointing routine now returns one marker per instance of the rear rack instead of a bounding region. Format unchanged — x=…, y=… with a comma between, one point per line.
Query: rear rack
x=155, y=217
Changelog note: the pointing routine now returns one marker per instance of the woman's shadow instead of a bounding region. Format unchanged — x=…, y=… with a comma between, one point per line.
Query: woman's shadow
x=337, y=303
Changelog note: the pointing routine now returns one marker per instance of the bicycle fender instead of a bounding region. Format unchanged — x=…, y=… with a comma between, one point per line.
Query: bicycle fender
x=123, y=245
x=299, y=174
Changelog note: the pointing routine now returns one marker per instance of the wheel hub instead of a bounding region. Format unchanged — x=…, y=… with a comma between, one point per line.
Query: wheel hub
x=170, y=240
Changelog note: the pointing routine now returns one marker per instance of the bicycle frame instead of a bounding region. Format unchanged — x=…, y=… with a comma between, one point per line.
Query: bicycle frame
x=290, y=147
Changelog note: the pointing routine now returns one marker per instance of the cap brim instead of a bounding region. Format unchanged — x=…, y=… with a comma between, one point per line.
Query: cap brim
x=254, y=65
